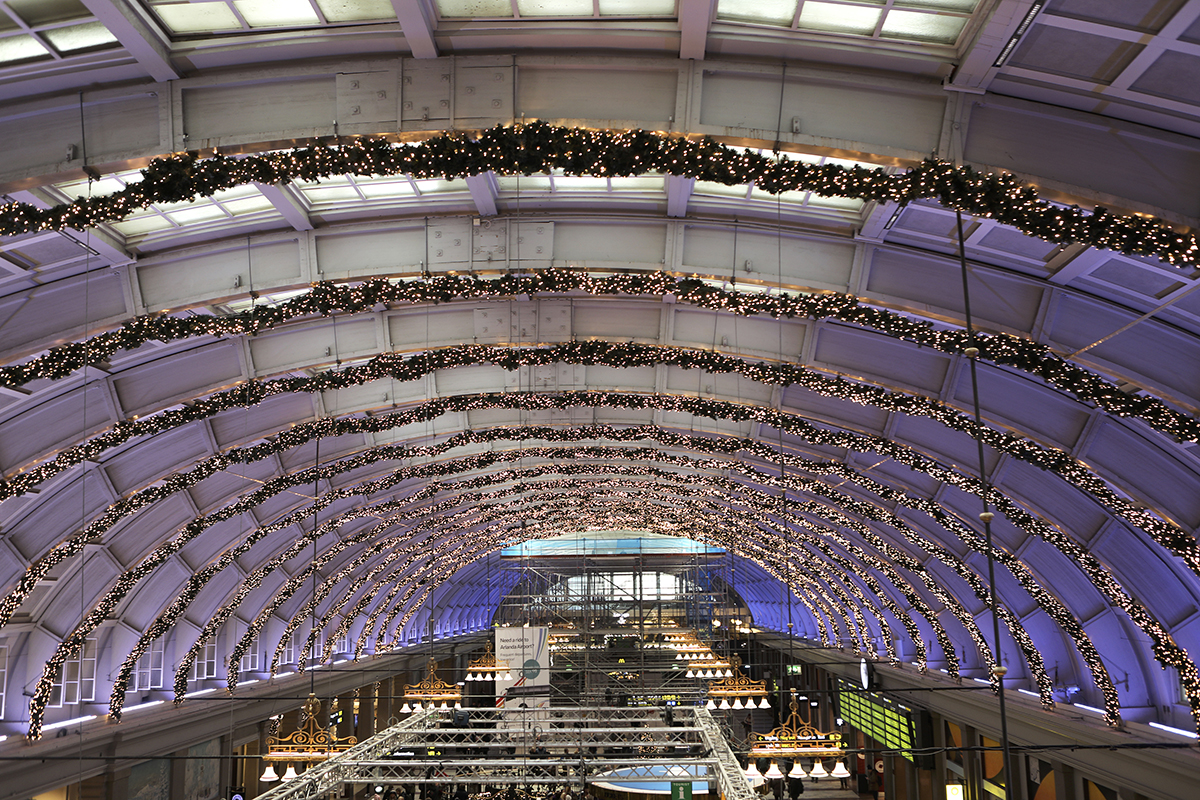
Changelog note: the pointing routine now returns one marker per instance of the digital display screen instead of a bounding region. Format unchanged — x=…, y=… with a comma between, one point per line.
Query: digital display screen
x=889, y=726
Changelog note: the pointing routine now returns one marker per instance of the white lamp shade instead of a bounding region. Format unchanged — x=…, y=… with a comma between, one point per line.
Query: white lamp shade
x=774, y=772
x=690, y=673
x=268, y=775
x=840, y=771
x=470, y=676
x=724, y=704
x=728, y=673
x=443, y=706
x=797, y=771
x=507, y=676
x=406, y=708
x=737, y=702
x=458, y=704
x=752, y=771
x=290, y=773
x=711, y=704
x=818, y=770
x=763, y=703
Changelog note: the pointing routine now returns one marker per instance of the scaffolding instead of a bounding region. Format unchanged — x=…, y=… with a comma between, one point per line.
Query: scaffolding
x=610, y=617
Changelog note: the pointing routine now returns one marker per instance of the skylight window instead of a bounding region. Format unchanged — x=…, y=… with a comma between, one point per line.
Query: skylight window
x=542, y=9
x=35, y=30
x=196, y=17
x=931, y=21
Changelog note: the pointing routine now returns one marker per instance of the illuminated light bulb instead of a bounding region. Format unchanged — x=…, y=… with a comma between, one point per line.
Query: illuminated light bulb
x=406, y=708
x=752, y=772
x=690, y=673
x=840, y=771
x=774, y=773
x=507, y=675
x=289, y=774
x=764, y=704
x=268, y=775
x=797, y=771
x=818, y=770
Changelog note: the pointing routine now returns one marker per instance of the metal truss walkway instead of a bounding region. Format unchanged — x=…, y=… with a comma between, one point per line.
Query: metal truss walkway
x=534, y=748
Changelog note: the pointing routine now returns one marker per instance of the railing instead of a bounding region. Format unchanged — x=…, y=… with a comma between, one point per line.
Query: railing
x=535, y=747
x=326, y=774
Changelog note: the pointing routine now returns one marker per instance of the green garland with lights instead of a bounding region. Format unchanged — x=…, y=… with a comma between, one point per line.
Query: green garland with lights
x=767, y=454
x=251, y=501
x=538, y=147
x=326, y=299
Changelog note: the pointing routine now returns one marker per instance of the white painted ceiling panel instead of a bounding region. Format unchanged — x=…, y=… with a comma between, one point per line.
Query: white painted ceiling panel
x=154, y=385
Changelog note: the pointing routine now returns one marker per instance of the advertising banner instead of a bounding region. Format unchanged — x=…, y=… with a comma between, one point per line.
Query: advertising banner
x=527, y=653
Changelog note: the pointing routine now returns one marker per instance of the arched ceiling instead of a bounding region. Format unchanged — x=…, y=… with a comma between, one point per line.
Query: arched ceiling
x=423, y=369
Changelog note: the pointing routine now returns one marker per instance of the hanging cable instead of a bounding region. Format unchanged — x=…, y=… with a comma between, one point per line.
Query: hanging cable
x=986, y=516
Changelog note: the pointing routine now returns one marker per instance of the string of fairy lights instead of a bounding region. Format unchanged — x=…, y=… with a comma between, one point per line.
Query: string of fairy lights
x=325, y=299
x=299, y=579
x=629, y=355
x=538, y=147
x=1076, y=474
x=303, y=615
x=1168, y=641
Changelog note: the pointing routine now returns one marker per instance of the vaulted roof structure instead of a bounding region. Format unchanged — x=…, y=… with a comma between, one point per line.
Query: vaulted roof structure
x=355, y=294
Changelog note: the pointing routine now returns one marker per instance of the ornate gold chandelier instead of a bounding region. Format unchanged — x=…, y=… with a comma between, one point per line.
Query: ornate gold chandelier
x=796, y=739
x=430, y=693
x=307, y=745
x=742, y=689
x=488, y=668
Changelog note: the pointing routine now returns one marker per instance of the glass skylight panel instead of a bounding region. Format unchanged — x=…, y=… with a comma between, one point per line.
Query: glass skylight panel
x=320, y=195
x=357, y=10
x=197, y=17
x=526, y=184
x=642, y=183
x=719, y=189
x=764, y=12
x=277, y=13
x=191, y=216
x=48, y=12
x=838, y=18
x=140, y=225
x=941, y=28
x=933, y=21
x=248, y=205
x=471, y=9
x=583, y=183
x=555, y=8
x=389, y=189
x=74, y=38
x=637, y=8
x=942, y=5
x=435, y=186
x=20, y=48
